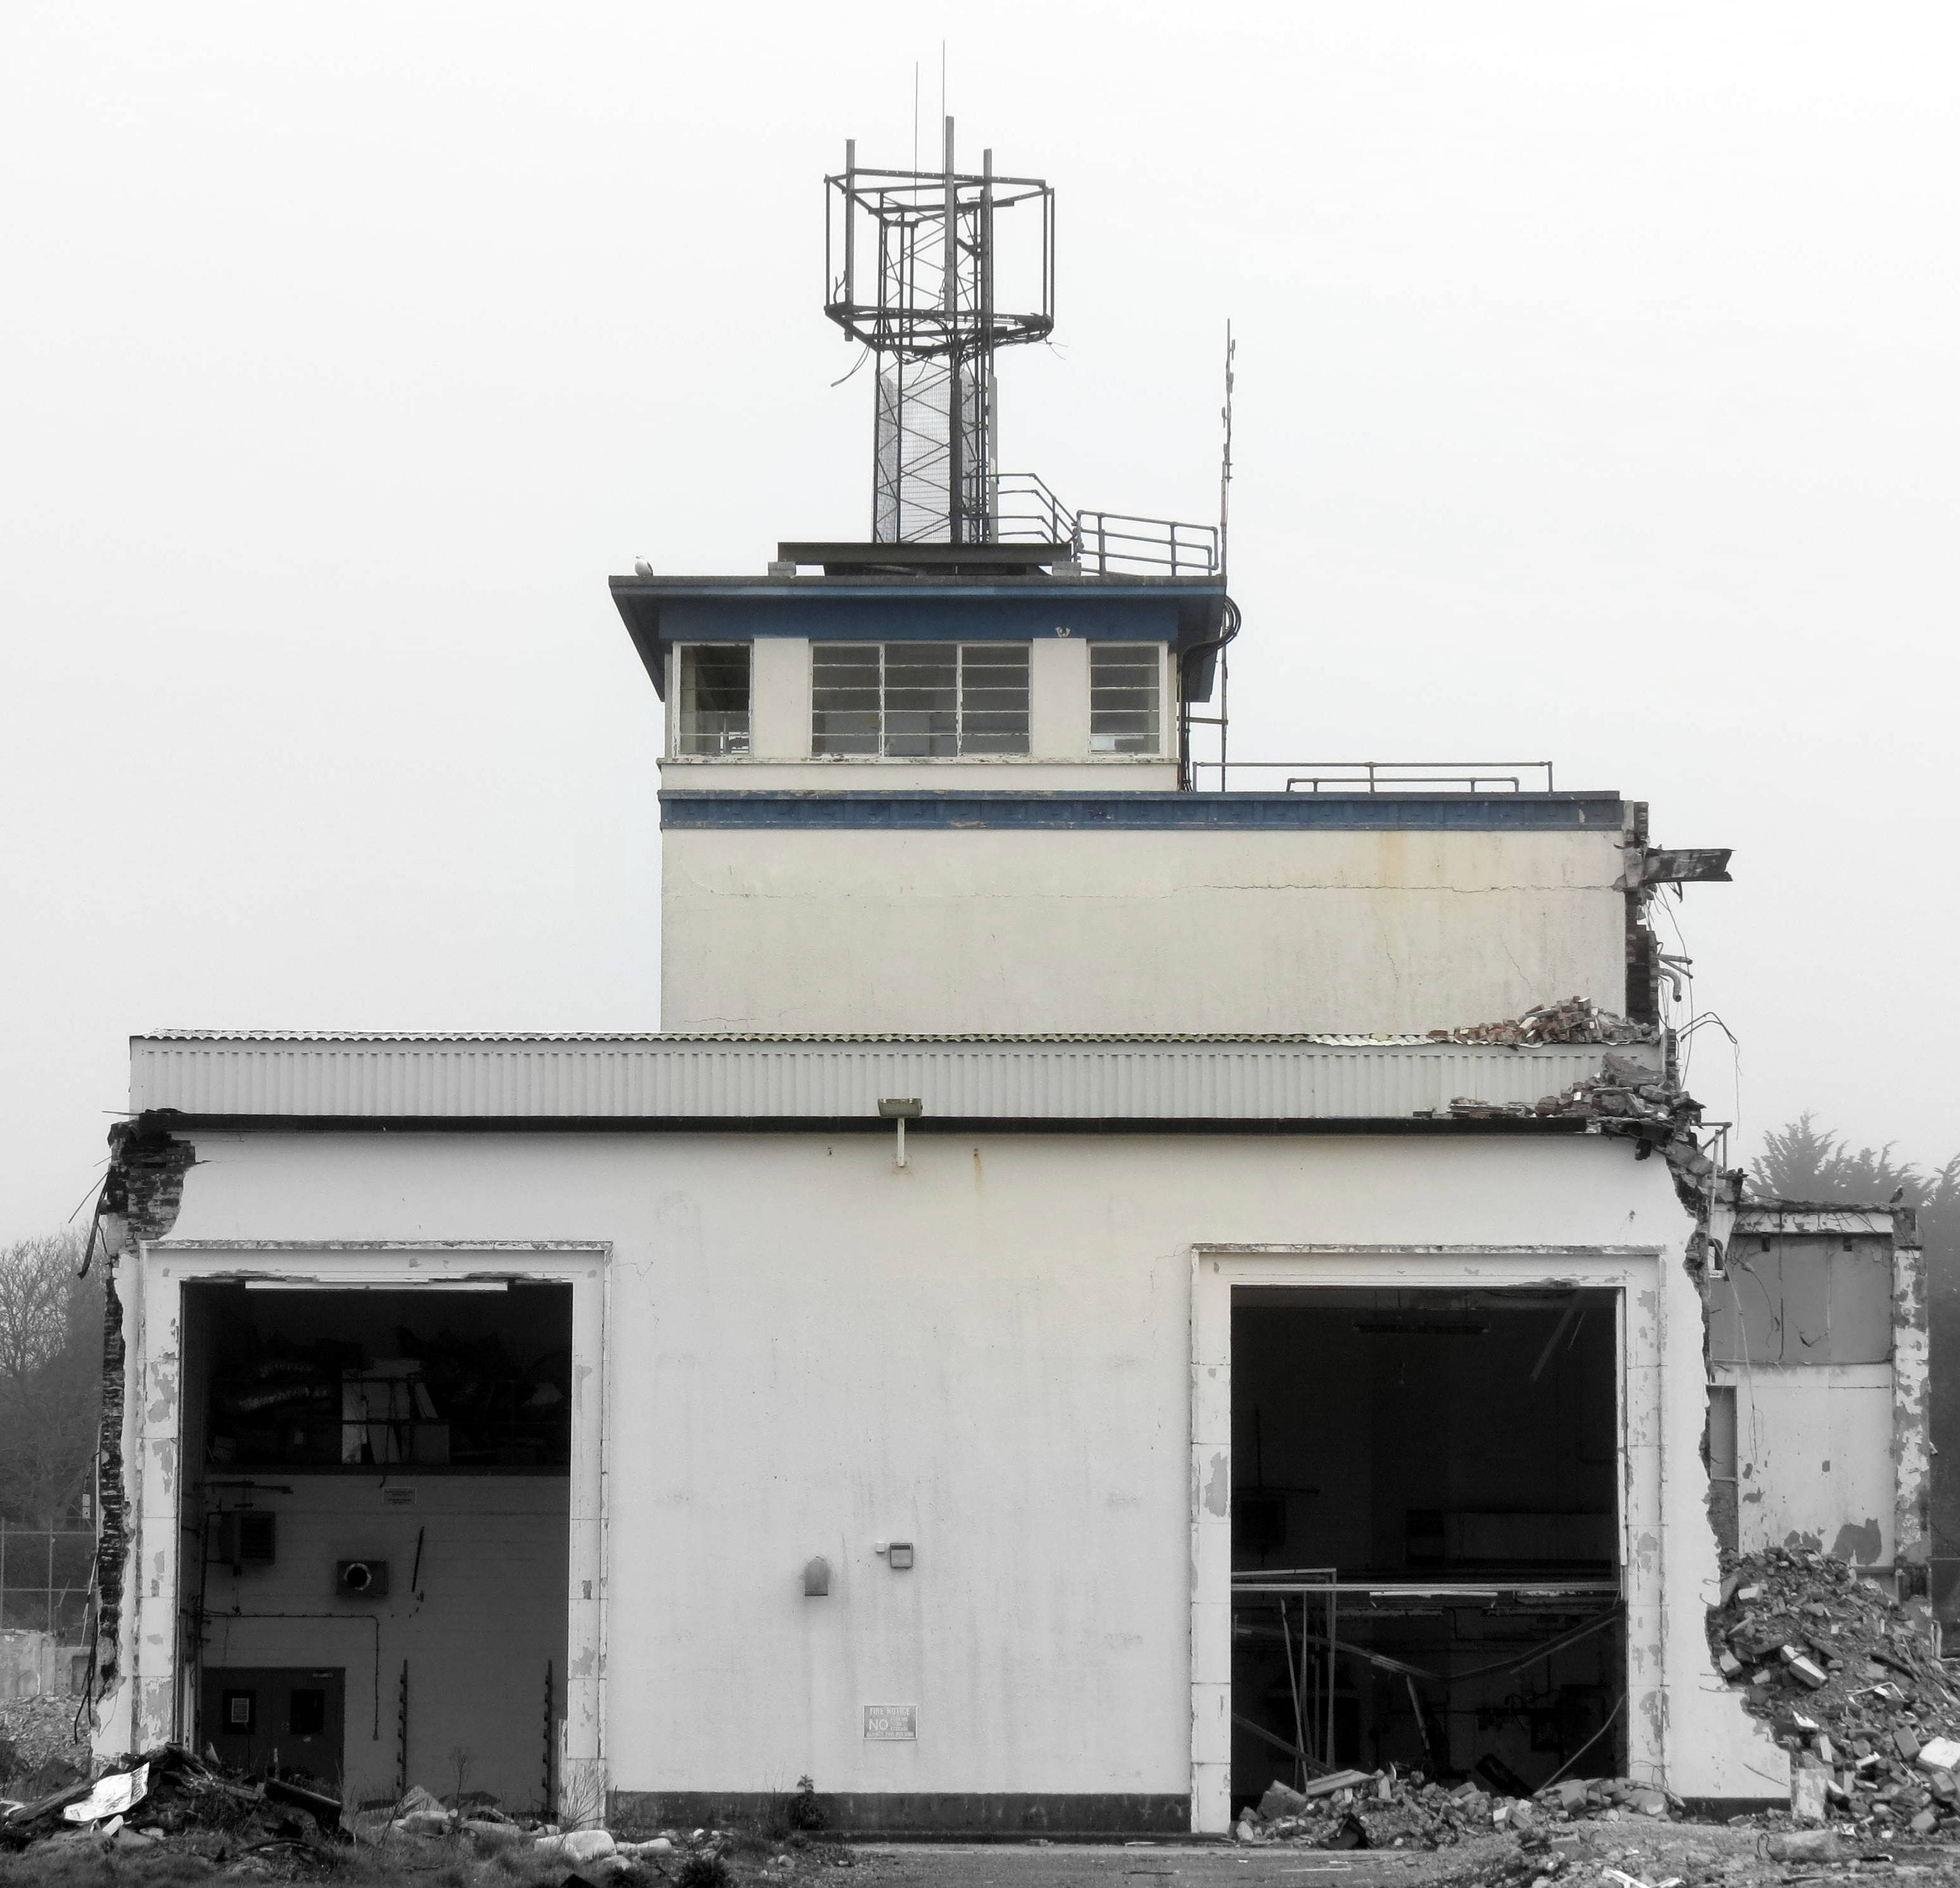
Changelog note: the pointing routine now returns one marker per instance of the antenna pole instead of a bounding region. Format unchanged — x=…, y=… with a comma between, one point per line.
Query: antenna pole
x=956, y=469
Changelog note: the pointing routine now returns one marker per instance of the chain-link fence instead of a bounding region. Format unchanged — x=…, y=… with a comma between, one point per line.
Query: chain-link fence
x=44, y=1610
x=44, y=1580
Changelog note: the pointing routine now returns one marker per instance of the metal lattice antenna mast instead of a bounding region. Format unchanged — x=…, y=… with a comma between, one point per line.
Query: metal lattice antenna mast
x=912, y=273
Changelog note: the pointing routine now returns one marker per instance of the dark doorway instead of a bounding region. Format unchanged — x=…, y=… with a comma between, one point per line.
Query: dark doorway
x=289, y=1720
x=1425, y=1534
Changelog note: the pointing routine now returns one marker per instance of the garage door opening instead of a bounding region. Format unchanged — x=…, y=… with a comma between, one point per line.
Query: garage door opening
x=1426, y=1564
x=376, y=1533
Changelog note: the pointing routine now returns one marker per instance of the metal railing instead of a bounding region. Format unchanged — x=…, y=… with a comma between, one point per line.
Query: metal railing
x=1378, y=776
x=1112, y=540
x=1026, y=510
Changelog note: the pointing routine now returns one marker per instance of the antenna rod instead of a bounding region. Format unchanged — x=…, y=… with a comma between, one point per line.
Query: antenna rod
x=1225, y=463
x=991, y=524
x=850, y=218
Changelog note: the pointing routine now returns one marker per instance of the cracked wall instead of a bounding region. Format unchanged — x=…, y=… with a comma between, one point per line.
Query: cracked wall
x=1019, y=932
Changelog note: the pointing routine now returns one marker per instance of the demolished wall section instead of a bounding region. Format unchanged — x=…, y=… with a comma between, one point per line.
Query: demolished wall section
x=141, y=1199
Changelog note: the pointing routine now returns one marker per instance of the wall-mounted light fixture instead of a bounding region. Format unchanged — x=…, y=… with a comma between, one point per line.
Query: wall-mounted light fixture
x=895, y=1109
x=816, y=1578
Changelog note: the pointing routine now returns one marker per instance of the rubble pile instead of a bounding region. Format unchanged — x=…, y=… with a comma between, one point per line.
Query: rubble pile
x=169, y=1798
x=1622, y=1091
x=37, y=1741
x=1360, y=1809
x=1848, y=1683
x=1577, y=1019
x=167, y=1793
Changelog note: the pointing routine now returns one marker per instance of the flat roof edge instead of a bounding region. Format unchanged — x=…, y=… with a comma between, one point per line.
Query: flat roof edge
x=171, y=1120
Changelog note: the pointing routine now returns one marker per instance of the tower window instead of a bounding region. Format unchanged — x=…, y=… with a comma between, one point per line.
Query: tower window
x=919, y=700
x=714, y=715
x=1125, y=697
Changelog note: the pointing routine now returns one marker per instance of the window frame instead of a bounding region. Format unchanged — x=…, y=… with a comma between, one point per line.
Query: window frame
x=1159, y=655
x=963, y=681
x=677, y=736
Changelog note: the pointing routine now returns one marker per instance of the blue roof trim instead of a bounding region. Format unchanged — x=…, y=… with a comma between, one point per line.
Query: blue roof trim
x=917, y=811
x=1182, y=613
x=974, y=616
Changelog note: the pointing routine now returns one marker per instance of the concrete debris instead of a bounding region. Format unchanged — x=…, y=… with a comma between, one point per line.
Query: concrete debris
x=1363, y=1809
x=1577, y=1019
x=1845, y=1679
x=1623, y=1092
x=577, y=1846
x=39, y=1749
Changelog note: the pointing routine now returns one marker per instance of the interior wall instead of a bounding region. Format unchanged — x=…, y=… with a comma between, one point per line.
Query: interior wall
x=477, y=1627
x=1801, y=1334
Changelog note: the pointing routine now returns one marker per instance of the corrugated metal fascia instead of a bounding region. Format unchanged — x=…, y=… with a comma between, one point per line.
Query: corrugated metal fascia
x=626, y=1079
x=657, y=1038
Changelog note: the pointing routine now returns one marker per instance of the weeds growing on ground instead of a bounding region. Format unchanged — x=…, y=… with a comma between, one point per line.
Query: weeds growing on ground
x=84, y=1866
x=807, y=1811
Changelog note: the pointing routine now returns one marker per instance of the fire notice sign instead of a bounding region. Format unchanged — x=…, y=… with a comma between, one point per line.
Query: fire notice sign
x=891, y=1724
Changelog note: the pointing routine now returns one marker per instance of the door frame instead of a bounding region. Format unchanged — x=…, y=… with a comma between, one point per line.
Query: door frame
x=1631, y=1272
x=162, y=1680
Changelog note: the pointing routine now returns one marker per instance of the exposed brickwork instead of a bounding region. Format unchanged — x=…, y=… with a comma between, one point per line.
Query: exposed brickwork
x=144, y=1190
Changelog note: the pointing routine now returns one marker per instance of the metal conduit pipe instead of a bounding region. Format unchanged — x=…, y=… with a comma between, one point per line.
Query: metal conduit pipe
x=1234, y=619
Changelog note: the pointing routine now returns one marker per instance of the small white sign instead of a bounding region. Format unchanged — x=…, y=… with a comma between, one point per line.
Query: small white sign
x=891, y=1724
x=398, y=1497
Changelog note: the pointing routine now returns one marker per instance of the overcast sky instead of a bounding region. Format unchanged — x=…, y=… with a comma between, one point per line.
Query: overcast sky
x=1597, y=402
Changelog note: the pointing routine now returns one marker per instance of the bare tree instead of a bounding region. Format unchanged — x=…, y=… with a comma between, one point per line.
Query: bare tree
x=50, y=1377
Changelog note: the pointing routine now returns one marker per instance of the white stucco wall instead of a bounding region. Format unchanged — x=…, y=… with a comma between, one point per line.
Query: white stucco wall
x=1021, y=931
x=987, y=1352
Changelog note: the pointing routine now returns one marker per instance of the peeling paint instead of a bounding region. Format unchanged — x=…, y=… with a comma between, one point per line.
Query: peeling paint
x=1218, y=1485
x=1912, y=1410
x=1863, y=1545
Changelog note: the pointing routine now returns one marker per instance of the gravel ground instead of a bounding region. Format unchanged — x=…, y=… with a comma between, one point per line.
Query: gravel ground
x=1650, y=1853
x=1061, y=1864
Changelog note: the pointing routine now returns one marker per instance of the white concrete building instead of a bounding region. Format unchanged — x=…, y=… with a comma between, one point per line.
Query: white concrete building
x=1045, y=1336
